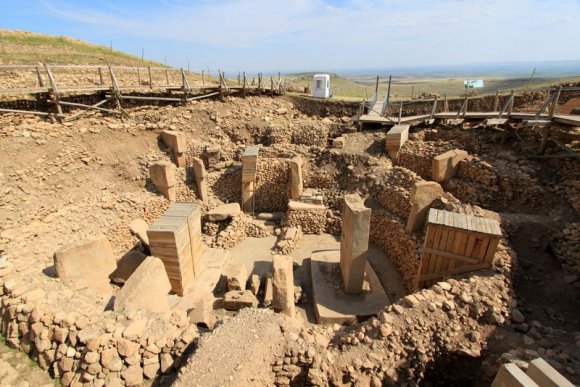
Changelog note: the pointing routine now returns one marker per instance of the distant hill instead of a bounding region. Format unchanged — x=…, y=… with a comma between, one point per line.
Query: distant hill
x=23, y=47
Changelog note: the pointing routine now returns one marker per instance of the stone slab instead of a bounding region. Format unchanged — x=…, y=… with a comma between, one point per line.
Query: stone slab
x=174, y=140
x=146, y=289
x=354, y=242
x=545, y=375
x=139, y=227
x=331, y=304
x=445, y=165
x=127, y=265
x=510, y=375
x=283, y=285
x=224, y=212
x=89, y=261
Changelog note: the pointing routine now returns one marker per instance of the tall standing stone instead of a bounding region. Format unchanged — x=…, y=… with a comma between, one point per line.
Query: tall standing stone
x=296, y=182
x=162, y=175
x=283, y=285
x=178, y=144
x=200, y=178
x=249, y=171
x=354, y=242
x=423, y=195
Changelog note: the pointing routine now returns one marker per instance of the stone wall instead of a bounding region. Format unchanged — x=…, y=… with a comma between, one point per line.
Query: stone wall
x=97, y=348
x=389, y=234
x=481, y=182
x=272, y=185
x=324, y=108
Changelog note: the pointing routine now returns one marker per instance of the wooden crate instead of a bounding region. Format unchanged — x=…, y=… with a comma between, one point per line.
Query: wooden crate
x=169, y=240
x=456, y=243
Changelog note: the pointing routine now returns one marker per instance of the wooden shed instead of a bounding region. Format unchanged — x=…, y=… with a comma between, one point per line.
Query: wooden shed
x=456, y=243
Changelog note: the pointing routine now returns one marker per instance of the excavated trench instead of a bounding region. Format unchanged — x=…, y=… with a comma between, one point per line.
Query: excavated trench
x=489, y=179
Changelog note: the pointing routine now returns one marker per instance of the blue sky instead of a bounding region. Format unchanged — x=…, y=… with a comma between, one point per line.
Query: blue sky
x=313, y=35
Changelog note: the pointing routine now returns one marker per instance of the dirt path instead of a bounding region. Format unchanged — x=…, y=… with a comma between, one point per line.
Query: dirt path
x=240, y=352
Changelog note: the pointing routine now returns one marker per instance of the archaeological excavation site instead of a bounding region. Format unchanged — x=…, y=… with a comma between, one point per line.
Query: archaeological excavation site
x=213, y=232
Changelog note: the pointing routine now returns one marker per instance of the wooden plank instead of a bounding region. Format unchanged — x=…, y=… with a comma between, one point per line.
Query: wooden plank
x=447, y=254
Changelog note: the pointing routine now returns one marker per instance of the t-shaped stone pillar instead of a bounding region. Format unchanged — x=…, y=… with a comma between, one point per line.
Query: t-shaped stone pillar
x=296, y=182
x=200, y=178
x=176, y=141
x=354, y=242
x=162, y=175
x=249, y=170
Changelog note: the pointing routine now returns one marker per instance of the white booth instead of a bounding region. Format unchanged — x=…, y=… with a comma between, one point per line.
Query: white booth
x=321, y=86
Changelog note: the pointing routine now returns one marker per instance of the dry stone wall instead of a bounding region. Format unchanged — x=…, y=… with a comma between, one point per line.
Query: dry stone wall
x=272, y=185
x=96, y=347
x=403, y=248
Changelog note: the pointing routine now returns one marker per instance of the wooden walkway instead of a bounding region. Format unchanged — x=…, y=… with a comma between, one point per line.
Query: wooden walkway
x=547, y=114
x=52, y=84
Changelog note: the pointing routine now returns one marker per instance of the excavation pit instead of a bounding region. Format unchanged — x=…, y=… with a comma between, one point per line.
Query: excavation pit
x=95, y=183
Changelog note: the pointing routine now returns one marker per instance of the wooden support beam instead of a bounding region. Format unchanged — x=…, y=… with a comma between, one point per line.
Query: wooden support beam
x=139, y=76
x=54, y=91
x=545, y=135
x=506, y=106
x=434, y=108
x=150, y=78
x=554, y=106
x=544, y=106
x=511, y=104
x=24, y=112
x=40, y=80
x=83, y=112
x=496, y=101
x=445, y=104
x=244, y=88
x=115, y=89
x=101, y=82
x=167, y=77
x=400, y=113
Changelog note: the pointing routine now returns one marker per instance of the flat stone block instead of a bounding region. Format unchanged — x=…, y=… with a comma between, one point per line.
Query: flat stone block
x=545, y=375
x=89, y=261
x=510, y=375
x=445, y=165
x=174, y=140
x=146, y=289
x=331, y=303
x=223, y=212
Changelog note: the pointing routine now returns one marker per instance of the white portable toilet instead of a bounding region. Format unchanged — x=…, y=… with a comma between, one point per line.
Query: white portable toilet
x=321, y=83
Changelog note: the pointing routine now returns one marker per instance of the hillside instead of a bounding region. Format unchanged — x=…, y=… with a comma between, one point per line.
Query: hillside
x=23, y=47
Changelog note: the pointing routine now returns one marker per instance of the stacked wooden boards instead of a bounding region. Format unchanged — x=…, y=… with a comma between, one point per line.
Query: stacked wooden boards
x=175, y=238
x=456, y=243
x=396, y=138
x=249, y=164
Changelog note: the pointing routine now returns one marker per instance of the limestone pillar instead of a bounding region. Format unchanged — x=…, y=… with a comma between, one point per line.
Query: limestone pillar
x=296, y=182
x=249, y=170
x=200, y=178
x=423, y=194
x=162, y=175
x=283, y=285
x=178, y=144
x=354, y=242
x=445, y=165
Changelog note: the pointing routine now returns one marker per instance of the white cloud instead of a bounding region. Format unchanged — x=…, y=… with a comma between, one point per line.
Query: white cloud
x=368, y=33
